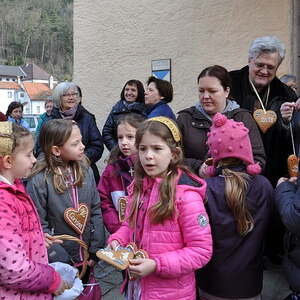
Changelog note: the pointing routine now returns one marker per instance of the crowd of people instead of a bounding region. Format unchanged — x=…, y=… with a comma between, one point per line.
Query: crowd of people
x=206, y=197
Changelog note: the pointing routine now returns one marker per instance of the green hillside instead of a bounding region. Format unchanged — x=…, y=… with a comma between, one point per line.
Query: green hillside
x=39, y=31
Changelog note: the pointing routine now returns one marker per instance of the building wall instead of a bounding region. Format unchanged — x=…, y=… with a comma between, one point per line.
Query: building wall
x=115, y=41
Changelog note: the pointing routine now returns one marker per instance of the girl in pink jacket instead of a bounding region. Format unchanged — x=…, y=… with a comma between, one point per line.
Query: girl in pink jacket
x=165, y=217
x=118, y=174
x=24, y=270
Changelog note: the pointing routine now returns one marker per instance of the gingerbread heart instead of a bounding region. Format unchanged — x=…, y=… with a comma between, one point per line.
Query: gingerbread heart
x=293, y=162
x=117, y=258
x=77, y=218
x=122, y=208
x=137, y=253
x=264, y=120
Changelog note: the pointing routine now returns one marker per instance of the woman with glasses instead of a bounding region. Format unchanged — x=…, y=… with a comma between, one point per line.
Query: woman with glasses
x=67, y=106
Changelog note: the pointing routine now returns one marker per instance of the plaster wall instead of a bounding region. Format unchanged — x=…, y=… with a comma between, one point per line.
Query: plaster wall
x=115, y=41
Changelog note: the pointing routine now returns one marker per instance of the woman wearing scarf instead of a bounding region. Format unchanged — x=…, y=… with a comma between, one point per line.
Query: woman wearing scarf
x=194, y=122
x=67, y=106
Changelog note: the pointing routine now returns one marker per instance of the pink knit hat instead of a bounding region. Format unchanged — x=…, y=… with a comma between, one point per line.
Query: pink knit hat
x=228, y=138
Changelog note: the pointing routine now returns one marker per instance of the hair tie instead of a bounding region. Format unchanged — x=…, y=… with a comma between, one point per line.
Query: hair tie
x=171, y=126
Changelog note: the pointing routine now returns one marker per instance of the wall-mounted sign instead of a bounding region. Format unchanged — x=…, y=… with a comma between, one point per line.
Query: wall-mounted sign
x=161, y=68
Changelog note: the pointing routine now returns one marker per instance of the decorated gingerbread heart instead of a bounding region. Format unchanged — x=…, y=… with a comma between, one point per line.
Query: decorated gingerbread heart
x=122, y=208
x=137, y=253
x=77, y=218
x=117, y=258
x=293, y=162
x=264, y=120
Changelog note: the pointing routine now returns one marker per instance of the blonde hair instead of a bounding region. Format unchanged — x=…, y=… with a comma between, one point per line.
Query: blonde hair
x=56, y=133
x=236, y=186
x=164, y=208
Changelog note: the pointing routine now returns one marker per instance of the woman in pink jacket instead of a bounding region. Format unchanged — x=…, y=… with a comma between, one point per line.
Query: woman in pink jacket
x=24, y=270
x=165, y=217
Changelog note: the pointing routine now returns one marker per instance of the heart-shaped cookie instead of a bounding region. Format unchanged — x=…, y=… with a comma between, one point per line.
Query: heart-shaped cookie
x=137, y=253
x=264, y=120
x=293, y=162
x=77, y=218
x=122, y=208
x=117, y=258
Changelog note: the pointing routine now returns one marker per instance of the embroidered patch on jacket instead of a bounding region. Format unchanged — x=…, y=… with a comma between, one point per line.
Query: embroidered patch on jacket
x=202, y=220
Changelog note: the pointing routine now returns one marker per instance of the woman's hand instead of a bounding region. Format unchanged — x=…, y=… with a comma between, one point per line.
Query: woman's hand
x=141, y=267
x=49, y=240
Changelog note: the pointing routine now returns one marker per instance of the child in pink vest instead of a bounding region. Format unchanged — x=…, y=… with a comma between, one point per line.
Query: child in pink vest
x=118, y=174
x=165, y=217
x=24, y=270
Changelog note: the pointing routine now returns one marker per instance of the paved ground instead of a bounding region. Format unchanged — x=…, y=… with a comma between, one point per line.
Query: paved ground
x=275, y=286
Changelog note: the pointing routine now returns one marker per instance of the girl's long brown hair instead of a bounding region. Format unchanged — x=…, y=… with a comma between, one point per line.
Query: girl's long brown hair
x=236, y=185
x=164, y=208
x=56, y=133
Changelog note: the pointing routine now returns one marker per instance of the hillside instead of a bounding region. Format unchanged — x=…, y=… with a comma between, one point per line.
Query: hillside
x=39, y=31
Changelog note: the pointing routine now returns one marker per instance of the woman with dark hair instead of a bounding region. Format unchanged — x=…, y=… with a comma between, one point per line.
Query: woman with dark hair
x=158, y=93
x=14, y=114
x=132, y=100
x=214, y=88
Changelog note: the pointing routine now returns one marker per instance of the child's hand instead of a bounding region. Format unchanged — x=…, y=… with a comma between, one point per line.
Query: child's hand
x=62, y=287
x=293, y=179
x=113, y=245
x=49, y=240
x=91, y=262
x=141, y=267
x=281, y=180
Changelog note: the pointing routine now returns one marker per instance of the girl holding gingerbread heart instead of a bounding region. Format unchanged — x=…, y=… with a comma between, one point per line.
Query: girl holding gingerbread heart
x=165, y=218
x=63, y=188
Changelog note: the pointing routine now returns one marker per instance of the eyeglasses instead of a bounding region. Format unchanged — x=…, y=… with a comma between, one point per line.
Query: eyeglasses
x=70, y=95
x=263, y=66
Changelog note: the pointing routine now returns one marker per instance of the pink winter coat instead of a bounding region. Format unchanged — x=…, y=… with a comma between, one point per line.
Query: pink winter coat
x=24, y=270
x=179, y=246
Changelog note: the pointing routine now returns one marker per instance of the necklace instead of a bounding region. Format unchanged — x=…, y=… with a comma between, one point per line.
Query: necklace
x=265, y=119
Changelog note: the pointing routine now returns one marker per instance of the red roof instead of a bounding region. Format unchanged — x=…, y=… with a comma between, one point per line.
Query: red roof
x=37, y=91
x=9, y=85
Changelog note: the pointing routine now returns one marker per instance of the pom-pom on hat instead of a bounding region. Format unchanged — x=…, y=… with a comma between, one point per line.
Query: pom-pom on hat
x=228, y=138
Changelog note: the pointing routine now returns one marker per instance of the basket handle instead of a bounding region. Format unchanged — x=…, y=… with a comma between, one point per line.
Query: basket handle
x=82, y=244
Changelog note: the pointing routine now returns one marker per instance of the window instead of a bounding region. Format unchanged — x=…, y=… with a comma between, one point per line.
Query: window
x=38, y=109
x=21, y=95
x=9, y=94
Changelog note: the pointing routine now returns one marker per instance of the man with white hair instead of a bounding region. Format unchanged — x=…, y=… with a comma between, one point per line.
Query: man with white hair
x=256, y=88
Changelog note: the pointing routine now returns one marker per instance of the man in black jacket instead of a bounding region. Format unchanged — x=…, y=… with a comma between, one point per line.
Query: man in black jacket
x=256, y=87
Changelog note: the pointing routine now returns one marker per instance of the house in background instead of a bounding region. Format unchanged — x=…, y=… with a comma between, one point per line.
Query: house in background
x=10, y=91
x=36, y=95
x=11, y=73
x=35, y=74
x=28, y=84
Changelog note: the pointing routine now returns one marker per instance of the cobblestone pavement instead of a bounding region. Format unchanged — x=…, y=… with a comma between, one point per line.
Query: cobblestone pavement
x=275, y=286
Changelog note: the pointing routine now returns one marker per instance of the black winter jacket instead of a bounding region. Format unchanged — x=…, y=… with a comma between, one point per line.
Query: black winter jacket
x=109, y=131
x=194, y=127
x=287, y=200
x=277, y=140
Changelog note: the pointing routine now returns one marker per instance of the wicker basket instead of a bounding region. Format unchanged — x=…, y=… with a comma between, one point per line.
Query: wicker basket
x=82, y=244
